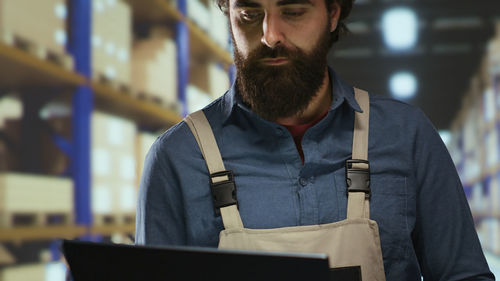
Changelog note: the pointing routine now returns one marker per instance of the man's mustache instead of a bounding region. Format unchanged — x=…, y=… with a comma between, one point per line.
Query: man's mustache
x=264, y=52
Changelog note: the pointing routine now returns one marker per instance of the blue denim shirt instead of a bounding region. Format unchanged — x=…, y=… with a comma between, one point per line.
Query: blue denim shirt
x=426, y=227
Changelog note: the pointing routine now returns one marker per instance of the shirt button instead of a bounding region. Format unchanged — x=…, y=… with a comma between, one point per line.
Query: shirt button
x=303, y=181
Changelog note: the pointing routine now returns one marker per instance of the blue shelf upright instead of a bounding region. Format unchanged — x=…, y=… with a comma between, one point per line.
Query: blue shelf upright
x=182, y=41
x=79, y=47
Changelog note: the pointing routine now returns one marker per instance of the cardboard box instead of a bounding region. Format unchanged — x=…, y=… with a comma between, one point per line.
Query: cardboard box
x=102, y=198
x=489, y=105
x=199, y=14
x=34, y=194
x=127, y=198
x=112, y=131
x=114, y=169
x=154, y=68
x=491, y=146
x=210, y=78
x=11, y=107
x=494, y=195
x=219, y=30
x=51, y=35
x=53, y=271
x=476, y=201
x=111, y=40
x=218, y=79
x=144, y=141
x=113, y=197
x=196, y=98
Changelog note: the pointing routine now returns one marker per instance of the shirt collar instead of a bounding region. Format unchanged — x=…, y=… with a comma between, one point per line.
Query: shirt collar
x=341, y=91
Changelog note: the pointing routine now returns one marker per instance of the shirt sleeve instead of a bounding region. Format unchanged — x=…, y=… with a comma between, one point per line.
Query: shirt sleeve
x=444, y=237
x=160, y=218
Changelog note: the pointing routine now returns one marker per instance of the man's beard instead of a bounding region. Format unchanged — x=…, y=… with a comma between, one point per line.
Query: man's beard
x=286, y=90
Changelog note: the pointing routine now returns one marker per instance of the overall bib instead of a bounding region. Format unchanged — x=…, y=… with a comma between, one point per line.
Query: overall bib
x=350, y=243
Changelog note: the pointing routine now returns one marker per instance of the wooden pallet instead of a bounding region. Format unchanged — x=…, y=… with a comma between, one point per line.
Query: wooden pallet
x=174, y=107
x=150, y=98
x=114, y=219
x=101, y=78
x=34, y=219
x=64, y=60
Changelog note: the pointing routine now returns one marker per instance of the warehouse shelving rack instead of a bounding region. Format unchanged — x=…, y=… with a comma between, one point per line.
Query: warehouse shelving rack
x=22, y=71
x=477, y=149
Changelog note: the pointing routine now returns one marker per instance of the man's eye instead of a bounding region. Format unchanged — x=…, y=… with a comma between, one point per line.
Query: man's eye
x=293, y=13
x=250, y=16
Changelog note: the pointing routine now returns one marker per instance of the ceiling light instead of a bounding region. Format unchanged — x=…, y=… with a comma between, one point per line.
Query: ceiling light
x=403, y=85
x=400, y=28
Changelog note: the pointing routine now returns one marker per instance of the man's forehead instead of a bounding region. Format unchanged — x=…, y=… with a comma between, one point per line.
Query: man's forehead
x=259, y=3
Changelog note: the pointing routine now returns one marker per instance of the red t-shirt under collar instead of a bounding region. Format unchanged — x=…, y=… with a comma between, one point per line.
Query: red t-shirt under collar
x=298, y=132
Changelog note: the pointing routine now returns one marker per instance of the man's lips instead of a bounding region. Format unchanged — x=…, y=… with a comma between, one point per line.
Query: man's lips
x=275, y=61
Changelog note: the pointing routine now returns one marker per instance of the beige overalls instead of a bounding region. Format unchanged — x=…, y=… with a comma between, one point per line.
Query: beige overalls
x=353, y=242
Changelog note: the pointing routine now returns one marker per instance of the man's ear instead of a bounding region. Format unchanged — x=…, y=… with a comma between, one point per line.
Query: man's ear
x=334, y=15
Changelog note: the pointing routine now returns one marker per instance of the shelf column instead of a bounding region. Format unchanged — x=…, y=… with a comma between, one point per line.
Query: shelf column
x=79, y=47
x=182, y=41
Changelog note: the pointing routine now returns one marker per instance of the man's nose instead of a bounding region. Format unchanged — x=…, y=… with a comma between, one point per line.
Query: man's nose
x=272, y=30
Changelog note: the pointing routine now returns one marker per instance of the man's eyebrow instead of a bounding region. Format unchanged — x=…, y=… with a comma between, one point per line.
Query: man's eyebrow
x=246, y=4
x=291, y=2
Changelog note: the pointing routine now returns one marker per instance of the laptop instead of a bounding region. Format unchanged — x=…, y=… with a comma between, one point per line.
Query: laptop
x=90, y=261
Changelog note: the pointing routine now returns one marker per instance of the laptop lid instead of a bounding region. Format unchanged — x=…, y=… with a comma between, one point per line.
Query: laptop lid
x=89, y=261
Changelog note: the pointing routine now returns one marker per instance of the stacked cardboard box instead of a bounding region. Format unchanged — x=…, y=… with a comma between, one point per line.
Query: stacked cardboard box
x=218, y=80
x=52, y=271
x=196, y=98
x=454, y=147
x=210, y=78
x=111, y=40
x=198, y=12
x=494, y=194
x=488, y=230
x=477, y=199
x=491, y=148
x=11, y=107
x=489, y=105
x=472, y=132
x=154, y=67
x=219, y=30
x=38, y=197
x=143, y=144
x=43, y=22
x=208, y=81
x=113, y=169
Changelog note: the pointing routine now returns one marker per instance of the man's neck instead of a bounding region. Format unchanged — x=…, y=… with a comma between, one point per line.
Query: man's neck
x=317, y=107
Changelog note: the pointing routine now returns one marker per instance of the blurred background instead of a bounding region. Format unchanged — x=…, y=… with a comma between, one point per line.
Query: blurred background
x=86, y=86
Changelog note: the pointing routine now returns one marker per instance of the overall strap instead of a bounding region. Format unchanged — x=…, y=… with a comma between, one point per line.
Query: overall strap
x=222, y=183
x=358, y=168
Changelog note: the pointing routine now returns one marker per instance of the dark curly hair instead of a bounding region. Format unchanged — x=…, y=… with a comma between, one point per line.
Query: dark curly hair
x=345, y=6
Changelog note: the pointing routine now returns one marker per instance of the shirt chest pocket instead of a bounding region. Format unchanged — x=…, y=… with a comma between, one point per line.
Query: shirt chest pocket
x=388, y=207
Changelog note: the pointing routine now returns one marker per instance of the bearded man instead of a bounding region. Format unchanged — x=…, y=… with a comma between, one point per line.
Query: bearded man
x=288, y=150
